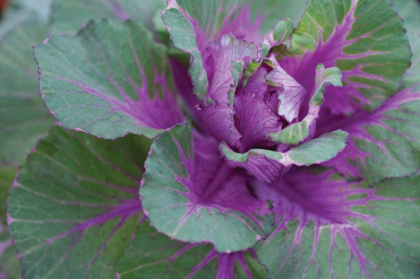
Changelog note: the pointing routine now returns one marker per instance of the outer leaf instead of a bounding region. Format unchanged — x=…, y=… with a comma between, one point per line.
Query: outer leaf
x=75, y=205
x=190, y=195
x=372, y=54
x=154, y=255
x=328, y=227
x=9, y=263
x=23, y=116
x=109, y=80
x=269, y=165
x=82, y=11
x=297, y=132
x=384, y=144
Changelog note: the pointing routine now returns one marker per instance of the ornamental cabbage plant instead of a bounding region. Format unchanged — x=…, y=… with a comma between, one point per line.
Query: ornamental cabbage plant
x=213, y=139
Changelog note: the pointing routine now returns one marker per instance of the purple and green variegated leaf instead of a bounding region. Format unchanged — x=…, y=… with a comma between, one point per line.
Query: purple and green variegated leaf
x=385, y=143
x=193, y=25
x=280, y=33
x=23, y=116
x=69, y=15
x=364, y=38
x=9, y=263
x=298, y=132
x=410, y=10
x=330, y=228
x=279, y=36
x=190, y=194
x=109, y=80
x=155, y=255
x=75, y=204
x=268, y=165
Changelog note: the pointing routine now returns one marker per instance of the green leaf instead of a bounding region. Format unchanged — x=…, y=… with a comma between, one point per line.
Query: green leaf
x=372, y=55
x=69, y=15
x=327, y=227
x=190, y=195
x=269, y=165
x=9, y=263
x=385, y=143
x=297, y=132
x=154, y=255
x=109, y=80
x=23, y=116
x=75, y=205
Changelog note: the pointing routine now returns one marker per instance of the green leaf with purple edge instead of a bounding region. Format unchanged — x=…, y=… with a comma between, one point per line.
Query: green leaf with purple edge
x=386, y=143
x=75, y=206
x=327, y=227
x=23, y=116
x=9, y=263
x=155, y=255
x=372, y=55
x=69, y=15
x=269, y=165
x=191, y=195
x=110, y=79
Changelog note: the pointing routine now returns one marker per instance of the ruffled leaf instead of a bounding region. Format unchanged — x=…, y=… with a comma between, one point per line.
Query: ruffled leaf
x=23, y=116
x=75, y=204
x=292, y=93
x=327, y=227
x=152, y=255
x=224, y=68
x=191, y=195
x=384, y=144
x=298, y=132
x=109, y=80
x=372, y=54
x=9, y=262
x=269, y=165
